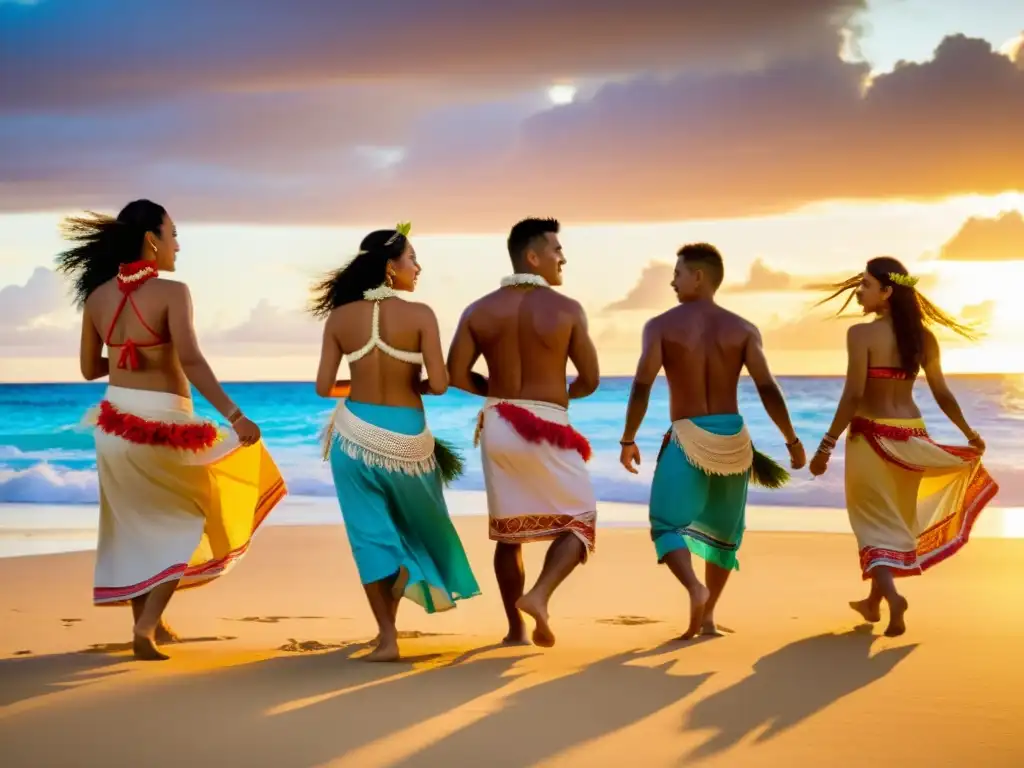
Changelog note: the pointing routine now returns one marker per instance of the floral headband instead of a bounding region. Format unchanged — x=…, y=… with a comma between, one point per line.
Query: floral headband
x=906, y=281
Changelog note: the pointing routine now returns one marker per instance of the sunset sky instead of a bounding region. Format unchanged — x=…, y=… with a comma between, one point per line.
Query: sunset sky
x=800, y=136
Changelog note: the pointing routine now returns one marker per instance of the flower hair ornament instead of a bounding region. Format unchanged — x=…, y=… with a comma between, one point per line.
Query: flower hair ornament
x=402, y=228
x=905, y=280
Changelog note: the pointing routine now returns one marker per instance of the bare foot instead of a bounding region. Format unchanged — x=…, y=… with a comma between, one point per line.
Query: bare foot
x=897, y=610
x=164, y=634
x=698, y=600
x=386, y=650
x=516, y=637
x=531, y=606
x=871, y=611
x=145, y=649
x=709, y=628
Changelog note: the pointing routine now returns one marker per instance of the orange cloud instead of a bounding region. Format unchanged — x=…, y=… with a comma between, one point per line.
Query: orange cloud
x=766, y=135
x=982, y=239
x=653, y=290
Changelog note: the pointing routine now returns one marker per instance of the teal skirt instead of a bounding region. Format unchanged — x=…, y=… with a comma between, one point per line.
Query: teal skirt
x=397, y=523
x=697, y=511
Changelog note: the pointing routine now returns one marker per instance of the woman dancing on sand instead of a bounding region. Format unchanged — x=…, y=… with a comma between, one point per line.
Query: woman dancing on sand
x=167, y=519
x=911, y=501
x=388, y=469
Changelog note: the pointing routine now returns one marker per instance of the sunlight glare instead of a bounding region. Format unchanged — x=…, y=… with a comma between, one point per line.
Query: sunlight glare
x=562, y=93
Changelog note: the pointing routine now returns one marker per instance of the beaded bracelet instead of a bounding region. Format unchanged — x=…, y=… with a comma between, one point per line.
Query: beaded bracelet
x=828, y=443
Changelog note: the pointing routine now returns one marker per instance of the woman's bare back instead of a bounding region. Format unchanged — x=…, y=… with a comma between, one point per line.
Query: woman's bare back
x=886, y=398
x=378, y=377
x=141, y=353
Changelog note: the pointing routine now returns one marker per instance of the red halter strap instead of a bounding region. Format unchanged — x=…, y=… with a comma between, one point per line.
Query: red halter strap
x=130, y=277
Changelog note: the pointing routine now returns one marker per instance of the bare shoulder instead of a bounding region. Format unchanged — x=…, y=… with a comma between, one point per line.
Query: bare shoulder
x=565, y=303
x=421, y=311
x=481, y=305
x=861, y=332
x=171, y=287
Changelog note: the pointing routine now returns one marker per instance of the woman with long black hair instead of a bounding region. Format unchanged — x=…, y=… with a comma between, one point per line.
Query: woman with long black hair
x=179, y=498
x=911, y=501
x=388, y=468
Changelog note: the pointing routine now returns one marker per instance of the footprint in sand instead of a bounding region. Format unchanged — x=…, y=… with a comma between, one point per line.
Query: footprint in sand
x=414, y=634
x=23, y=653
x=629, y=621
x=69, y=622
x=308, y=646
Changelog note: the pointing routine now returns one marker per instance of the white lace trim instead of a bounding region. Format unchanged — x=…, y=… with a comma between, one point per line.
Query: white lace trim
x=524, y=278
x=378, y=447
x=714, y=454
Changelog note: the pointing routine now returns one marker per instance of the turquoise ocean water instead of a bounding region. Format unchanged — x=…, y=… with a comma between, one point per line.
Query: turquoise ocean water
x=46, y=459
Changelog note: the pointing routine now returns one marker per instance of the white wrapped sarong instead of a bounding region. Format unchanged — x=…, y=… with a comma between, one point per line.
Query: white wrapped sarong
x=178, y=501
x=534, y=465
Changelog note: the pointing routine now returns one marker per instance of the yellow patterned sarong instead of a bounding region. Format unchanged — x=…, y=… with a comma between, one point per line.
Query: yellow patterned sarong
x=911, y=501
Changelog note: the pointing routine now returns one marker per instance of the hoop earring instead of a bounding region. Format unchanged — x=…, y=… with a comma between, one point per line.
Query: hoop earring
x=389, y=280
x=153, y=247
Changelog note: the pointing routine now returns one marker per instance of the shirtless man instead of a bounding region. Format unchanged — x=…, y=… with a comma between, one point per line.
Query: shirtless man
x=699, y=492
x=538, y=488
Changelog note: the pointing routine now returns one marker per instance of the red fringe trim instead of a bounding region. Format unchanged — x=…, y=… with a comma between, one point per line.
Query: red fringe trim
x=534, y=429
x=186, y=437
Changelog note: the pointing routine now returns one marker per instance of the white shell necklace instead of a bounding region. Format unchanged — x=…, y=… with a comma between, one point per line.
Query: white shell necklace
x=524, y=278
x=380, y=293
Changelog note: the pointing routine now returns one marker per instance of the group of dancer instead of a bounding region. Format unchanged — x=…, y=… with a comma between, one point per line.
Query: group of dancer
x=180, y=497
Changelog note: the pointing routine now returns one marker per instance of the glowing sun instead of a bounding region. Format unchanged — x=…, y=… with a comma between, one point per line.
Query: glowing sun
x=561, y=93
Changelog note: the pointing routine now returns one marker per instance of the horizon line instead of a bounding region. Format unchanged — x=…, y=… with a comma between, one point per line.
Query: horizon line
x=626, y=377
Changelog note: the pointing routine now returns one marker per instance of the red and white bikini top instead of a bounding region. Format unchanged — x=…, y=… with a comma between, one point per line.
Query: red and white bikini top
x=130, y=277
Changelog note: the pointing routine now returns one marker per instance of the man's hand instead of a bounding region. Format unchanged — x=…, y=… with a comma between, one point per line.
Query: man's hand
x=797, y=454
x=629, y=456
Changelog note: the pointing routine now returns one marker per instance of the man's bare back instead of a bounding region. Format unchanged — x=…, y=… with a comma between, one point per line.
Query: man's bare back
x=704, y=348
x=526, y=335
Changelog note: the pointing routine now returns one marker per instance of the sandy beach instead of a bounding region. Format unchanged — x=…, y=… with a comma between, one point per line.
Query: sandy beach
x=270, y=675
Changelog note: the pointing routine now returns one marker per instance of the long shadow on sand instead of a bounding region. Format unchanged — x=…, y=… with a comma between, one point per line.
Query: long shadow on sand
x=599, y=699
x=296, y=710
x=790, y=685
x=26, y=678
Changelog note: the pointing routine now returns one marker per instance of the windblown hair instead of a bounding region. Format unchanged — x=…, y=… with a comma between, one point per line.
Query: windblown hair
x=367, y=270
x=105, y=243
x=706, y=257
x=525, y=233
x=909, y=310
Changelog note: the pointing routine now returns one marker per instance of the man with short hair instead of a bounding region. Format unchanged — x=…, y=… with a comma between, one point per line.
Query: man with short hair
x=538, y=488
x=699, y=492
